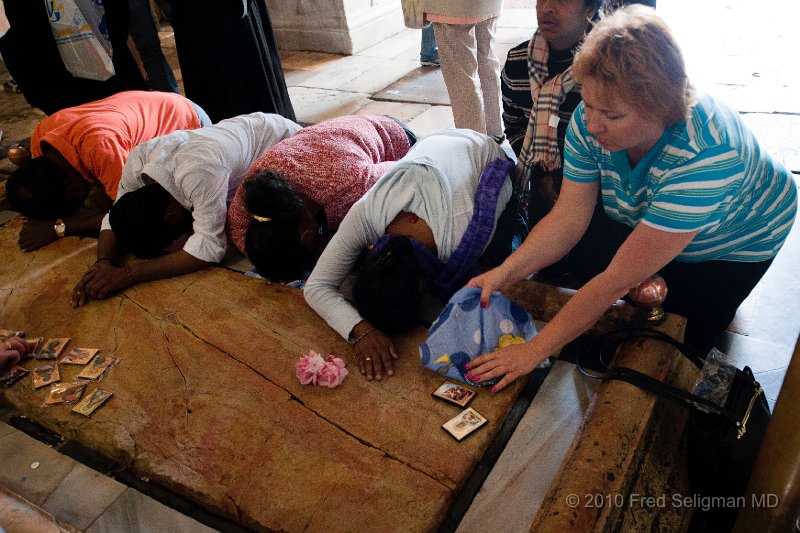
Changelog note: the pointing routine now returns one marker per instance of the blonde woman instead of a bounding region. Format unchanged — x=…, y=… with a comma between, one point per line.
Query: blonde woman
x=702, y=204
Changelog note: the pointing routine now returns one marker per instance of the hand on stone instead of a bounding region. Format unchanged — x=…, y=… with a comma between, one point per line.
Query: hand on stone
x=374, y=353
x=11, y=351
x=37, y=233
x=100, y=282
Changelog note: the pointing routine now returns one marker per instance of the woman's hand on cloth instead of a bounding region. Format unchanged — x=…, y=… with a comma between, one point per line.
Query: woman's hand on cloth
x=375, y=352
x=99, y=282
x=11, y=351
x=508, y=363
x=496, y=279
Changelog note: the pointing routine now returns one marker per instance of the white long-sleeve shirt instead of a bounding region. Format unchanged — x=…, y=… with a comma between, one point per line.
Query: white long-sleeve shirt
x=436, y=181
x=202, y=168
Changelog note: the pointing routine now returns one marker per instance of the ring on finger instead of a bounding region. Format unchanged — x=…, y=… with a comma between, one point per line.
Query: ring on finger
x=368, y=359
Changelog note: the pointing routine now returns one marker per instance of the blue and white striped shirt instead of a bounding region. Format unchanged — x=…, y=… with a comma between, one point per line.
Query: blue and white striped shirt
x=705, y=174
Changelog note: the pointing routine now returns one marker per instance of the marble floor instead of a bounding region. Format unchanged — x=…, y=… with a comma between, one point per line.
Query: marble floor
x=739, y=50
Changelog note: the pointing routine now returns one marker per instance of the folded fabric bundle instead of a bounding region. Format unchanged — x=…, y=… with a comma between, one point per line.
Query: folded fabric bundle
x=465, y=330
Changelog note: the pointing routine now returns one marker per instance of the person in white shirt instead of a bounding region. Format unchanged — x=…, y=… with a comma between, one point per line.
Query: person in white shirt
x=429, y=197
x=171, y=185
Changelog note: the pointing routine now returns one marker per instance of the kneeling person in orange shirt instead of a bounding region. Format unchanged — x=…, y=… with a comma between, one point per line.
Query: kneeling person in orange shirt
x=87, y=145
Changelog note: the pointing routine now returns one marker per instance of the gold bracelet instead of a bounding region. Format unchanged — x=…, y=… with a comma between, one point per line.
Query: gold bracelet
x=370, y=330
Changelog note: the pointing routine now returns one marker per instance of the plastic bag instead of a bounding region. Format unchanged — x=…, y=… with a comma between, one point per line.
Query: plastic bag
x=79, y=29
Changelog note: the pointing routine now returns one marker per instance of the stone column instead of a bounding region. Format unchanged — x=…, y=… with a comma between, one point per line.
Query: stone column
x=335, y=26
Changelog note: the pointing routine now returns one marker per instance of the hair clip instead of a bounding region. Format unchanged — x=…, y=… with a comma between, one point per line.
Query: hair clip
x=261, y=219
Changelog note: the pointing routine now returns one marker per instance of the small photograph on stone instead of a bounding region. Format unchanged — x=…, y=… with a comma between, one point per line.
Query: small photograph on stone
x=69, y=392
x=97, y=369
x=463, y=425
x=88, y=405
x=45, y=375
x=51, y=348
x=79, y=356
x=12, y=375
x=454, y=393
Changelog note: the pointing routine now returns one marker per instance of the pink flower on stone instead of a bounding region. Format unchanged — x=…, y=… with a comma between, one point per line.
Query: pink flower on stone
x=308, y=367
x=312, y=368
x=333, y=373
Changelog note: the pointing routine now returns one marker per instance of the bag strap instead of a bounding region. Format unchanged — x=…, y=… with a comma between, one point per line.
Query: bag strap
x=612, y=339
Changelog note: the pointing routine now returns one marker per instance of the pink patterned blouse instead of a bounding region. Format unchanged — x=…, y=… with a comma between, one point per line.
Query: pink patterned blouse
x=334, y=163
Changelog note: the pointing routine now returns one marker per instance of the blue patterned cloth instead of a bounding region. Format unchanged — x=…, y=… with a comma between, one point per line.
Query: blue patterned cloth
x=464, y=331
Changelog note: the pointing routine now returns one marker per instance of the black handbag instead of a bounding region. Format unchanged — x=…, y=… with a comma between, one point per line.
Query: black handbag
x=723, y=440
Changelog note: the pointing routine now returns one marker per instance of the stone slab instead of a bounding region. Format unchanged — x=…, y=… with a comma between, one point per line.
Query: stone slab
x=206, y=402
x=510, y=497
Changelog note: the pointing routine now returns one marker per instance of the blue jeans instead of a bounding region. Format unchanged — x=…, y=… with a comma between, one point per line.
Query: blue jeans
x=145, y=36
x=428, y=50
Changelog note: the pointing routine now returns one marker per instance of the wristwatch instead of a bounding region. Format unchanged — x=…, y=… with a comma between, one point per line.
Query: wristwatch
x=60, y=228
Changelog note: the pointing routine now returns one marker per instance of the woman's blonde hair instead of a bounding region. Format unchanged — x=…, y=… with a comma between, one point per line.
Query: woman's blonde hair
x=633, y=54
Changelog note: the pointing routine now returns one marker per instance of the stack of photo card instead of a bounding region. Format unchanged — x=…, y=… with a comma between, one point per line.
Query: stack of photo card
x=33, y=345
x=454, y=393
x=461, y=426
x=69, y=392
x=6, y=334
x=89, y=404
x=97, y=369
x=51, y=348
x=12, y=375
x=79, y=356
x=45, y=375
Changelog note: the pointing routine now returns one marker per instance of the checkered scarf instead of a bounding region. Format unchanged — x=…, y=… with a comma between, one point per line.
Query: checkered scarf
x=541, y=138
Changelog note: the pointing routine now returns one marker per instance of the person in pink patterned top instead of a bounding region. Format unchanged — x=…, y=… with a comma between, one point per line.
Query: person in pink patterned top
x=296, y=195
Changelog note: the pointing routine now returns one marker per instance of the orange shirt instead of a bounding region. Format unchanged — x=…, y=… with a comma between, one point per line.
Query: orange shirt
x=96, y=138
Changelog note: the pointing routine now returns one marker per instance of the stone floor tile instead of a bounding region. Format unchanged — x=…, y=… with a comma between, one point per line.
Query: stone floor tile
x=317, y=61
x=5, y=429
x=397, y=44
x=346, y=70
x=777, y=313
x=314, y=105
x=295, y=78
x=758, y=354
x=18, y=515
x=423, y=86
x=399, y=110
x=776, y=134
x=82, y=496
x=20, y=452
x=524, y=18
x=771, y=381
x=134, y=512
x=511, y=36
x=383, y=74
x=434, y=119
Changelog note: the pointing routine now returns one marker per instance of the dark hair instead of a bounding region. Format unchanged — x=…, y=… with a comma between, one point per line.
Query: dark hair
x=597, y=5
x=137, y=219
x=38, y=189
x=274, y=246
x=387, y=290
